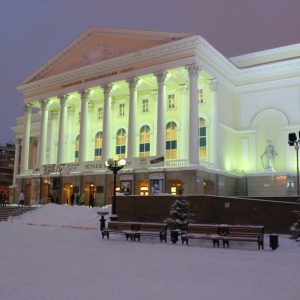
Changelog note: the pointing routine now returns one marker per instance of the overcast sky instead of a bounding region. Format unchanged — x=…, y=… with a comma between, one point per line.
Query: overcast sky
x=33, y=31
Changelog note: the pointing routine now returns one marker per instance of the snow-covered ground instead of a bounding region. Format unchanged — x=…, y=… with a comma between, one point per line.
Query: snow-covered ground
x=63, y=256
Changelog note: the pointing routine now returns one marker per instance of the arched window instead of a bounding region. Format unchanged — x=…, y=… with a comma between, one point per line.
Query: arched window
x=98, y=145
x=145, y=141
x=202, y=139
x=76, y=149
x=171, y=141
x=121, y=143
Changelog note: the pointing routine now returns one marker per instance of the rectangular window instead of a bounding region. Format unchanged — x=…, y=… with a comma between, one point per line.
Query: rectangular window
x=122, y=110
x=79, y=117
x=145, y=106
x=171, y=101
x=100, y=114
x=200, y=96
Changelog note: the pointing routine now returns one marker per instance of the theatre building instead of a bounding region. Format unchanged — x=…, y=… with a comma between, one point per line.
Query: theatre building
x=171, y=105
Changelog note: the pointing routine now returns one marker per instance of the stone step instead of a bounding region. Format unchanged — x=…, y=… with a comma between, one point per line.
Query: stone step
x=7, y=211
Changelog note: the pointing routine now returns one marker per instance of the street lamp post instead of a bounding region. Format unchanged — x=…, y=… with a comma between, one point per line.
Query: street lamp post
x=294, y=141
x=115, y=165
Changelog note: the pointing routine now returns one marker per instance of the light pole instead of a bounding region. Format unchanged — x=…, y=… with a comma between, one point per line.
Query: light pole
x=115, y=165
x=294, y=141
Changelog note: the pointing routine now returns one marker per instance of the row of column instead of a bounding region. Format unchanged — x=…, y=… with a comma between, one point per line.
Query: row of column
x=191, y=123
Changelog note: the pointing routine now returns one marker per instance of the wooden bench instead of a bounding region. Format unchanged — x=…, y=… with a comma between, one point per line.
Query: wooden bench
x=204, y=231
x=245, y=234
x=115, y=227
x=151, y=229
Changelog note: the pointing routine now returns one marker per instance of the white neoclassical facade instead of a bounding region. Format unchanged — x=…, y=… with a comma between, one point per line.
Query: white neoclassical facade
x=174, y=107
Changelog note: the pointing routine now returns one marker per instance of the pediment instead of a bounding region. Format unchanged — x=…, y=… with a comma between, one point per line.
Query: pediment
x=99, y=44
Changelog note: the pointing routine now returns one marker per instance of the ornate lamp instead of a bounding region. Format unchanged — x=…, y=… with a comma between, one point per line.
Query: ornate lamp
x=115, y=165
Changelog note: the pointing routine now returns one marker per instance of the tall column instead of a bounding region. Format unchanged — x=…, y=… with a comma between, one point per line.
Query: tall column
x=53, y=138
x=193, y=123
x=61, y=149
x=155, y=133
x=43, y=133
x=70, y=149
x=184, y=121
x=132, y=140
x=161, y=113
x=17, y=160
x=213, y=84
x=106, y=129
x=91, y=149
x=84, y=120
x=26, y=139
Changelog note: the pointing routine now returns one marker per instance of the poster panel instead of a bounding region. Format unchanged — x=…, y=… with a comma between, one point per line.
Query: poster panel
x=156, y=183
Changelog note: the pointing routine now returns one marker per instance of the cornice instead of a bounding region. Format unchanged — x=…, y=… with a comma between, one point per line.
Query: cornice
x=271, y=69
x=248, y=75
x=190, y=46
x=215, y=59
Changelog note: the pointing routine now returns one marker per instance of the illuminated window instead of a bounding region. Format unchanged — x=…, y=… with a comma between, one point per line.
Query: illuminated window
x=122, y=110
x=175, y=184
x=145, y=106
x=121, y=143
x=145, y=141
x=200, y=96
x=100, y=114
x=98, y=146
x=143, y=187
x=171, y=141
x=171, y=101
x=202, y=139
x=76, y=149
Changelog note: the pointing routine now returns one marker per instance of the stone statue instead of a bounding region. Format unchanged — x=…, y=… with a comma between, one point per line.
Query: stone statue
x=269, y=156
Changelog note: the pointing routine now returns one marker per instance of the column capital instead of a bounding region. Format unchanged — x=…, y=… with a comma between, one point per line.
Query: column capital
x=193, y=70
x=84, y=93
x=133, y=83
x=90, y=107
x=27, y=107
x=213, y=84
x=34, y=141
x=63, y=99
x=183, y=88
x=53, y=114
x=153, y=93
x=45, y=104
x=107, y=89
x=161, y=77
x=71, y=111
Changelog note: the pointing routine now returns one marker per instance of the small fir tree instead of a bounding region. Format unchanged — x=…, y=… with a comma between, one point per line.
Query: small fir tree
x=179, y=212
x=295, y=228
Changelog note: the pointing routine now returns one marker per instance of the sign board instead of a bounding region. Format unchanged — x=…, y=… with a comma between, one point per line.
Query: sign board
x=99, y=166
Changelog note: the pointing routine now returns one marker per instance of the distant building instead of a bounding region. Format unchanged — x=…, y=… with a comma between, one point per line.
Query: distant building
x=7, y=157
x=171, y=104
